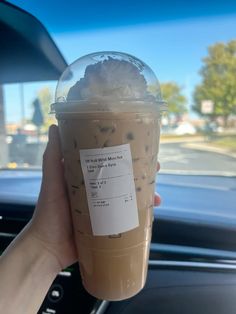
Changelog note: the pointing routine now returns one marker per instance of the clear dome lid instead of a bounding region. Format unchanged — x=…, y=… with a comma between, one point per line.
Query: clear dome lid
x=104, y=79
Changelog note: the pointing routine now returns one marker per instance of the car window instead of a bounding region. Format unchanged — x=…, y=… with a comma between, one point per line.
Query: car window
x=194, y=60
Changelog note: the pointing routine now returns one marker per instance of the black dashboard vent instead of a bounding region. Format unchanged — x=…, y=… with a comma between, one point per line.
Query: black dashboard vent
x=13, y=219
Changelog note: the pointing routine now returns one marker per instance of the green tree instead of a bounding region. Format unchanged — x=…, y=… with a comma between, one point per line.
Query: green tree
x=218, y=81
x=177, y=102
x=45, y=97
x=173, y=95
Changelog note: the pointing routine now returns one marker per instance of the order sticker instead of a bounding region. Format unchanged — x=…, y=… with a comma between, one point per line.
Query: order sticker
x=109, y=182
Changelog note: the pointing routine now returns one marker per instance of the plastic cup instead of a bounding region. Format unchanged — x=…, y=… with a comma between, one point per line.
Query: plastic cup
x=109, y=122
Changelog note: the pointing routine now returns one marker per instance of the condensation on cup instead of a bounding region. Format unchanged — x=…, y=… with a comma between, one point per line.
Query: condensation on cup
x=108, y=106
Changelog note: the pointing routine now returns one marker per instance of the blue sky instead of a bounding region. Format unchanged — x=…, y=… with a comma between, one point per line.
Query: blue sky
x=173, y=49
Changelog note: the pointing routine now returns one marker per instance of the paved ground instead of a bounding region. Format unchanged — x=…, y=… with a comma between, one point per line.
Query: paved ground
x=176, y=156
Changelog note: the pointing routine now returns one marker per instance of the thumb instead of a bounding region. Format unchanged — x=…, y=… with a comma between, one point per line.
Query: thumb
x=53, y=173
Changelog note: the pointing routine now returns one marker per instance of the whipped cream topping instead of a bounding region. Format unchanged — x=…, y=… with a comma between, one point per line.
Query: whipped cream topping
x=111, y=78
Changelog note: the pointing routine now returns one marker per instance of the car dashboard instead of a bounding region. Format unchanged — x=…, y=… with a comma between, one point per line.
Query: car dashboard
x=192, y=265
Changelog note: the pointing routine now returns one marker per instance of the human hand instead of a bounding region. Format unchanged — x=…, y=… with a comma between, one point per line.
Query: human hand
x=51, y=223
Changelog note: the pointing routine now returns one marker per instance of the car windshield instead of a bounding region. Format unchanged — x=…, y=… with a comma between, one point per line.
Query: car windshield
x=195, y=61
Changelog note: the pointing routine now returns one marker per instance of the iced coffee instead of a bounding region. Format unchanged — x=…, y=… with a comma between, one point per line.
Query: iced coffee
x=109, y=123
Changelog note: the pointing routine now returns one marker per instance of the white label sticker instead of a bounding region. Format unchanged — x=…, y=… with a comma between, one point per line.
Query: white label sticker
x=109, y=182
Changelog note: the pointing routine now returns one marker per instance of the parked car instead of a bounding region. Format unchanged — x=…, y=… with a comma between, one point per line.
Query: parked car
x=185, y=128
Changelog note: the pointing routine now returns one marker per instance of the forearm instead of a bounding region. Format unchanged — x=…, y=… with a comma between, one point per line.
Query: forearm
x=27, y=270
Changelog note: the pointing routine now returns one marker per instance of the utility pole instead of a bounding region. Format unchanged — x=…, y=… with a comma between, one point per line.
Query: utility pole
x=3, y=143
x=22, y=103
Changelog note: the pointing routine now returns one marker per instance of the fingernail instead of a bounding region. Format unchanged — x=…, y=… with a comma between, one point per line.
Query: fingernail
x=51, y=132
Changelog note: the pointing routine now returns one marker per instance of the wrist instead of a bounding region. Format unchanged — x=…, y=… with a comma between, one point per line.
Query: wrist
x=39, y=251
x=26, y=267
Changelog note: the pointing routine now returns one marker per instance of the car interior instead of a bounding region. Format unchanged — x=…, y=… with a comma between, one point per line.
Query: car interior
x=192, y=263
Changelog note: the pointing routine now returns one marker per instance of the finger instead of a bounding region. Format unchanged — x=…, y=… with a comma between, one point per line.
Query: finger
x=157, y=200
x=158, y=166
